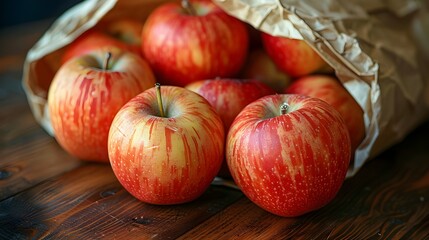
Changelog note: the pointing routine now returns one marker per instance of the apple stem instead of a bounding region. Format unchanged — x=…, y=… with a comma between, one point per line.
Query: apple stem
x=158, y=96
x=283, y=108
x=188, y=7
x=107, y=60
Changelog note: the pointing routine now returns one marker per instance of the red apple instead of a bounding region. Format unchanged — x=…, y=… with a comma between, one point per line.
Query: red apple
x=261, y=67
x=169, y=157
x=294, y=57
x=190, y=43
x=289, y=154
x=229, y=97
x=332, y=91
x=122, y=33
x=87, y=92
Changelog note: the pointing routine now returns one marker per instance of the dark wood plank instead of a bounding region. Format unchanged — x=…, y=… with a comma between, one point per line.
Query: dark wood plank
x=46, y=193
x=31, y=163
x=387, y=199
x=28, y=155
x=89, y=203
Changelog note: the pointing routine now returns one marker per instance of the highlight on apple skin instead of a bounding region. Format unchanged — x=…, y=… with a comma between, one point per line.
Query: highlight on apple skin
x=184, y=44
x=168, y=154
x=295, y=57
x=228, y=97
x=87, y=92
x=289, y=154
x=330, y=90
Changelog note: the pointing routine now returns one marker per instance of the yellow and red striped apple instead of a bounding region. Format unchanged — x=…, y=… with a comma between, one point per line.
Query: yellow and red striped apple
x=198, y=41
x=168, y=154
x=229, y=97
x=289, y=154
x=295, y=57
x=87, y=92
x=332, y=91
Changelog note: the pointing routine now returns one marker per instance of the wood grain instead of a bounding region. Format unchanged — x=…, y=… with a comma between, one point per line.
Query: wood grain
x=47, y=194
x=28, y=155
x=387, y=199
x=89, y=203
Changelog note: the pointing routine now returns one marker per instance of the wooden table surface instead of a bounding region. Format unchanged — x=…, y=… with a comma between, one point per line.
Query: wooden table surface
x=45, y=193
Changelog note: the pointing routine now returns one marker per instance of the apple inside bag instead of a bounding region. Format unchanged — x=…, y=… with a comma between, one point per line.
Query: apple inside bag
x=373, y=54
x=46, y=56
x=370, y=47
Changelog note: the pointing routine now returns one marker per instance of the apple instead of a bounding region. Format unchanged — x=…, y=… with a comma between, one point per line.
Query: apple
x=294, y=57
x=229, y=97
x=289, y=154
x=193, y=41
x=261, y=67
x=166, y=146
x=330, y=90
x=121, y=33
x=87, y=92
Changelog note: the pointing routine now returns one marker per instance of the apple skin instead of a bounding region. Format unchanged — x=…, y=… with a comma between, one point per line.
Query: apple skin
x=295, y=57
x=261, y=67
x=229, y=97
x=333, y=92
x=123, y=33
x=288, y=164
x=183, y=48
x=166, y=160
x=83, y=99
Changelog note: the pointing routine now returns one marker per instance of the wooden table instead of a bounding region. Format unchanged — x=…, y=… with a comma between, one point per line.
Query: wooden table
x=45, y=193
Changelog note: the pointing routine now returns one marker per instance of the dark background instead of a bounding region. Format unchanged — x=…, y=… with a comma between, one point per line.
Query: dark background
x=16, y=12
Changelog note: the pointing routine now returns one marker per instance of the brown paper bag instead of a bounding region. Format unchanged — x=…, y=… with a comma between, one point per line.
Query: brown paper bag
x=375, y=48
x=371, y=48
x=42, y=60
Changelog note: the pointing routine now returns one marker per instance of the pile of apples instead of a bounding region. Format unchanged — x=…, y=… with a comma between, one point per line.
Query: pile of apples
x=192, y=93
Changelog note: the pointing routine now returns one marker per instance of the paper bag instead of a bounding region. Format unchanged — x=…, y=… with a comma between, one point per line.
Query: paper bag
x=376, y=48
